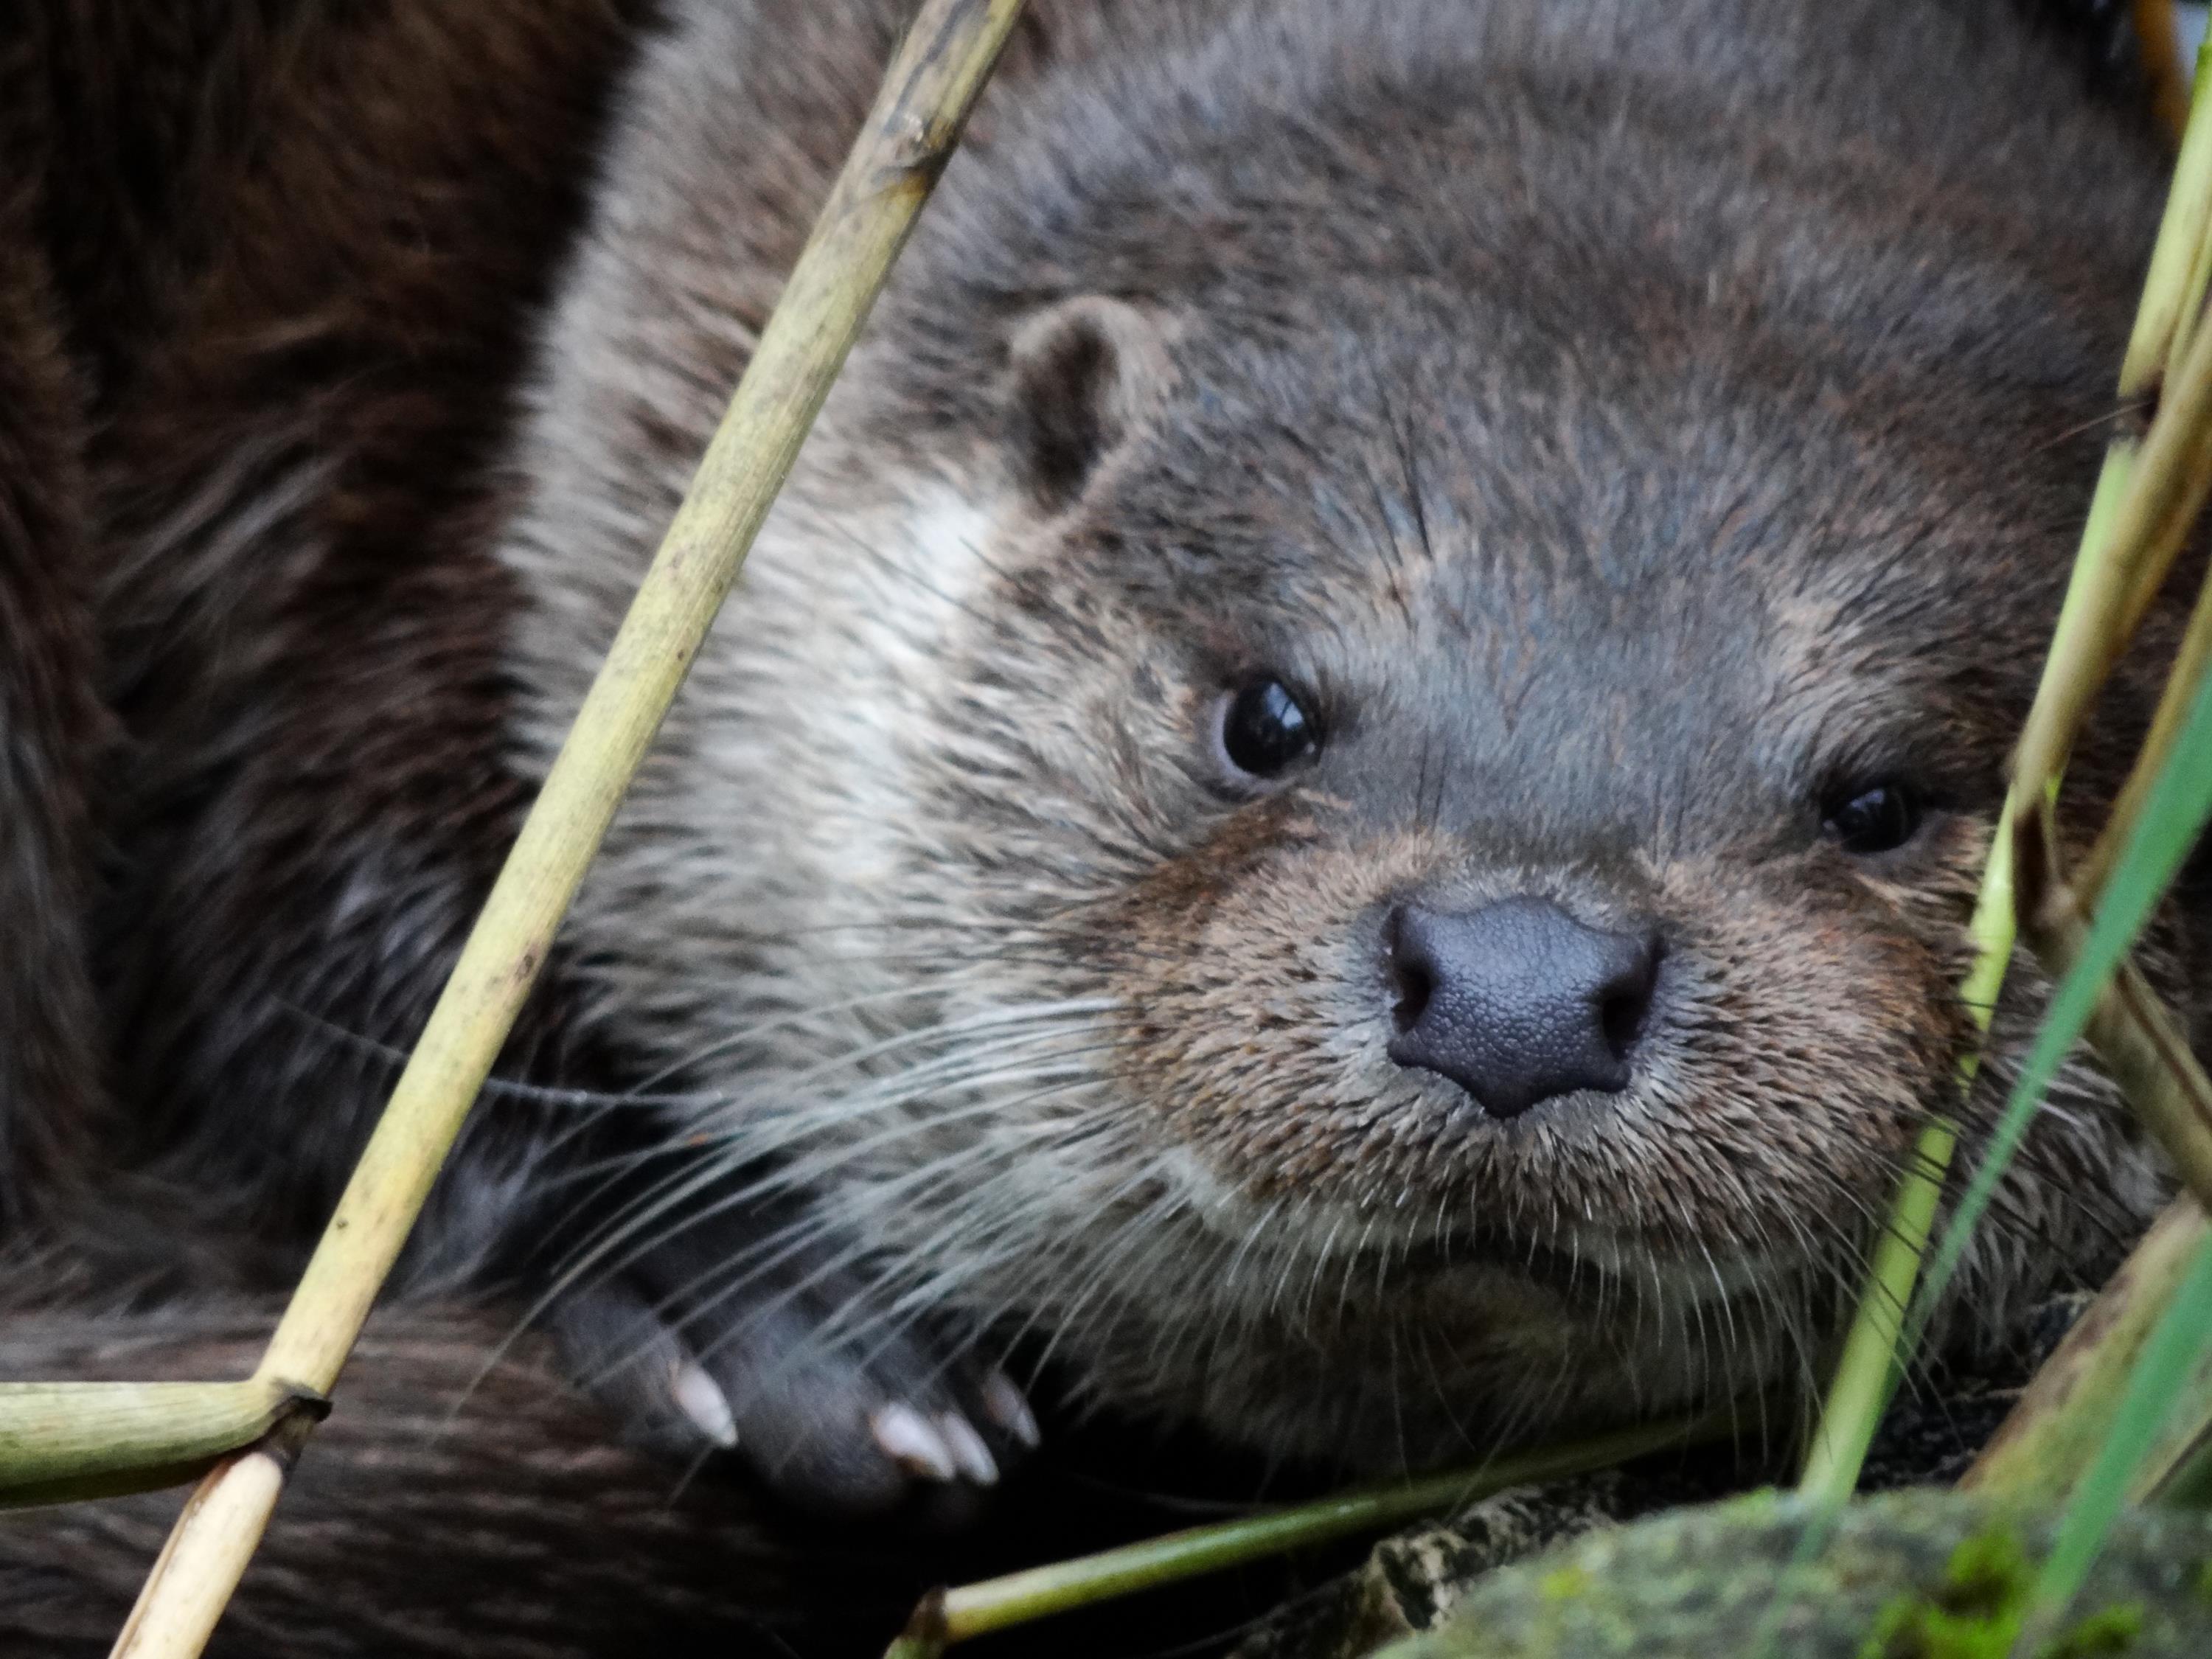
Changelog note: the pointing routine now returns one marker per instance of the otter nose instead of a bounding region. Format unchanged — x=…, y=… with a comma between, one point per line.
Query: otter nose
x=1517, y=1001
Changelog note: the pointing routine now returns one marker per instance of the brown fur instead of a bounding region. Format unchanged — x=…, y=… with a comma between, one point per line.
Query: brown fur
x=52, y=726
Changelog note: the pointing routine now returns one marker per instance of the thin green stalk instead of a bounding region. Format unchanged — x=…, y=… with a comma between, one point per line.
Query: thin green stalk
x=955, y=1615
x=1866, y=1374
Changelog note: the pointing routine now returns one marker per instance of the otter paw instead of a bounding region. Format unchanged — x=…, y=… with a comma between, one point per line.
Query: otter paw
x=842, y=1408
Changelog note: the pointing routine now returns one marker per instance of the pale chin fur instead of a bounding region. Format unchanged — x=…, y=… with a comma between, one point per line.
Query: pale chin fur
x=713, y=894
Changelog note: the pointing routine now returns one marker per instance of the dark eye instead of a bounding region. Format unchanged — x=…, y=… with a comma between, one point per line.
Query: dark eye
x=1874, y=820
x=1265, y=730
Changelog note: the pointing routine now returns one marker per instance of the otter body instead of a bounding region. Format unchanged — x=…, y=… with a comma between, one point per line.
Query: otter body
x=1339, y=804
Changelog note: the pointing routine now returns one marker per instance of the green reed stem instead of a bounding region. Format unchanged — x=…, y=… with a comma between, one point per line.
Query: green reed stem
x=955, y=1615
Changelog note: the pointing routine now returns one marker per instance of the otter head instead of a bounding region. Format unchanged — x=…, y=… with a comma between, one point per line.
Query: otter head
x=1349, y=785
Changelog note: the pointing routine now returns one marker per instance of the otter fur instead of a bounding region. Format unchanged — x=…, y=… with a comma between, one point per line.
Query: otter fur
x=1339, y=805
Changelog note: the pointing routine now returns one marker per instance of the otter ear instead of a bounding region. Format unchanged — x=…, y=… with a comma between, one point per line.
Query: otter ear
x=1086, y=375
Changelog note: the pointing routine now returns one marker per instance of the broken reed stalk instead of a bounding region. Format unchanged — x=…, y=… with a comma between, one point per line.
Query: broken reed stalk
x=2139, y=513
x=947, y=1616
x=909, y=135
x=2050, y=1437
x=64, y=1441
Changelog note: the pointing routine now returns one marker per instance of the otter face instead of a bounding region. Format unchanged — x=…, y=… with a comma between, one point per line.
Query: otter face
x=1517, y=837
x=1364, y=821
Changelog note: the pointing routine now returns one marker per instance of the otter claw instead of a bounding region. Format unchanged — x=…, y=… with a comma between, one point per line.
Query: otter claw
x=915, y=1425
x=912, y=1442
x=1009, y=1410
x=700, y=1398
x=969, y=1451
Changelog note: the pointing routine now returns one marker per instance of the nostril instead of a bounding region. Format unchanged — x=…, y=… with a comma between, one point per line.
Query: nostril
x=1620, y=1016
x=1625, y=1001
x=1415, y=989
x=1410, y=971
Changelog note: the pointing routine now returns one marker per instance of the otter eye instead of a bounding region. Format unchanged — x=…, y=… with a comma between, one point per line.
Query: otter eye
x=1874, y=820
x=1265, y=730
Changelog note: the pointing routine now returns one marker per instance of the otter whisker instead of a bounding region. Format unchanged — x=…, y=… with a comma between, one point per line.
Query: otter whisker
x=773, y=1125
x=1147, y=1226
x=394, y=1056
x=839, y=1324
x=884, y=1196
x=726, y=1280
x=862, y=1055
x=688, y=1183
x=794, y=1018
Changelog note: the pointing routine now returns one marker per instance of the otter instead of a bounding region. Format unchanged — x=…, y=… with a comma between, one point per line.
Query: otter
x=1339, y=805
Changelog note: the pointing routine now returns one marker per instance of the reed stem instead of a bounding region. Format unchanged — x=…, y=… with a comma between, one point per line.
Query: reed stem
x=955, y=1615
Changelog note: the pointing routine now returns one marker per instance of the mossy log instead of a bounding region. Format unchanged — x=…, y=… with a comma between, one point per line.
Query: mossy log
x=1914, y=1575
